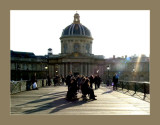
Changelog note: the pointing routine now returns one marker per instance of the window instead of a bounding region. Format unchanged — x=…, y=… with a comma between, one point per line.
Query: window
x=87, y=48
x=65, y=48
x=76, y=47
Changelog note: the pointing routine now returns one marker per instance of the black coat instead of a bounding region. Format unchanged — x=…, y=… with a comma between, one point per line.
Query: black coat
x=68, y=80
x=115, y=79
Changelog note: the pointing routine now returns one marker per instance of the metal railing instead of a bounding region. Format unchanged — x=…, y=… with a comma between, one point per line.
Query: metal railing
x=135, y=88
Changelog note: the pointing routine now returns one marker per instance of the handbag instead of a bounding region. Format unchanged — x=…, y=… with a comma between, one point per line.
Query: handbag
x=34, y=85
x=112, y=83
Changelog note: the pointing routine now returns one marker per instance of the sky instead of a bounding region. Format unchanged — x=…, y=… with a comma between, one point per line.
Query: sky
x=114, y=32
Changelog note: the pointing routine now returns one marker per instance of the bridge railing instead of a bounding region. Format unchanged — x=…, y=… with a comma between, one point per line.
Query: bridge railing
x=20, y=86
x=135, y=88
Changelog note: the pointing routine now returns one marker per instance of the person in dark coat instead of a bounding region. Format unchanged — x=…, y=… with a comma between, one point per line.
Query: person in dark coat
x=49, y=80
x=91, y=78
x=68, y=79
x=86, y=89
x=63, y=79
x=55, y=80
x=96, y=80
x=34, y=80
x=115, y=81
x=72, y=91
x=99, y=81
x=78, y=80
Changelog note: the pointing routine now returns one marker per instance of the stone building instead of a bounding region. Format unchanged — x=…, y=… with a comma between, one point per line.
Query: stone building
x=76, y=52
x=129, y=68
x=25, y=64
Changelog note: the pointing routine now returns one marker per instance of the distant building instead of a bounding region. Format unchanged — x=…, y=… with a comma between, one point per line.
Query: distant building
x=129, y=68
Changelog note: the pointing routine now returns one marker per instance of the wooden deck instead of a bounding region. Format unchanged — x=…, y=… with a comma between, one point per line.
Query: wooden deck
x=51, y=101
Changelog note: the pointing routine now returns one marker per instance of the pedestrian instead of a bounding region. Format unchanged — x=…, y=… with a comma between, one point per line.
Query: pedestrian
x=68, y=79
x=72, y=91
x=63, y=79
x=49, y=80
x=78, y=80
x=91, y=78
x=34, y=82
x=99, y=81
x=55, y=80
x=86, y=89
x=115, y=81
x=96, y=81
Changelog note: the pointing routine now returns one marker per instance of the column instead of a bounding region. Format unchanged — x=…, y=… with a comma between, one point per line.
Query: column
x=82, y=69
x=59, y=71
x=86, y=69
x=62, y=69
x=89, y=70
x=70, y=67
x=53, y=70
x=66, y=69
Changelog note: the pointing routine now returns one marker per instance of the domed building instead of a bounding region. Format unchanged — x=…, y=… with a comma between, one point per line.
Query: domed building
x=76, y=52
x=76, y=38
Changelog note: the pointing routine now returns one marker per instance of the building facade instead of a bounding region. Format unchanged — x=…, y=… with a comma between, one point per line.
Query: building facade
x=76, y=52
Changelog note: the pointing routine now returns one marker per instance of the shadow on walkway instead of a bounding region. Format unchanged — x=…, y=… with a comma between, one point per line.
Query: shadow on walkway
x=110, y=91
x=52, y=96
x=58, y=103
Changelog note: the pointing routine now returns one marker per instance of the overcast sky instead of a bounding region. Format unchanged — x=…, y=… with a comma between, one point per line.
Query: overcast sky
x=115, y=32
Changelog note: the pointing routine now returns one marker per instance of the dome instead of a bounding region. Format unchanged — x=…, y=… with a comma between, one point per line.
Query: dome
x=76, y=29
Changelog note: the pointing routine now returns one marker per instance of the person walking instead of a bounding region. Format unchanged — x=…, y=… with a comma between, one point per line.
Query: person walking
x=96, y=81
x=99, y=81
x=115, y=81
x=91, y=78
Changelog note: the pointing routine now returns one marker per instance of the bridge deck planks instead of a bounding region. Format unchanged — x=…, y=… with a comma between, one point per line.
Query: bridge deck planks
x=51, y=100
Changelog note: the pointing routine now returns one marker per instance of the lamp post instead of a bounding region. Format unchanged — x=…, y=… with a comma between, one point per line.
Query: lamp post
x=108, y=68
x=56, y=72
x=133, y=74
x=46, y=70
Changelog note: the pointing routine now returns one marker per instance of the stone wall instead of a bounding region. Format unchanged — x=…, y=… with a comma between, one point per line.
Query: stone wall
x=20, y=86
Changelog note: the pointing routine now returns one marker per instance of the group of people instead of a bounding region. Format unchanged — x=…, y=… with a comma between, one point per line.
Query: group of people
x=82, y=84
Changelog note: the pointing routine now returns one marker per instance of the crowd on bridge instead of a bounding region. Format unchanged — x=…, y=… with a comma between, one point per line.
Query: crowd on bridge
x=77, y=84
x=82, y=84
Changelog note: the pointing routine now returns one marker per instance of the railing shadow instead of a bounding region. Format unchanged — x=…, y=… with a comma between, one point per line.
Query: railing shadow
x=135, y=88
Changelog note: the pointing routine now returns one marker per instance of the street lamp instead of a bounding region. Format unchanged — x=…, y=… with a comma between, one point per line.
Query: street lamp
x=46, y=67
x=133, y=74
x=97, y=71
x=46, y=70
x=108, y=68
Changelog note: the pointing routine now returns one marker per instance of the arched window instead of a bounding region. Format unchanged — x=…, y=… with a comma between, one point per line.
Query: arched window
x=87, y=48
x=76, y=47
x=65, y=48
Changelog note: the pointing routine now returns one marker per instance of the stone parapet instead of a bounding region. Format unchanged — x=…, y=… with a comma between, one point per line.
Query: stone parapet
x=20, y=86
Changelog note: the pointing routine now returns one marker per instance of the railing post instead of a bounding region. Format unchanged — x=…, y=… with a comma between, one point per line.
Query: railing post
x=122, y=85
x=135, y=88
x=144, y=91
x=128, y=86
